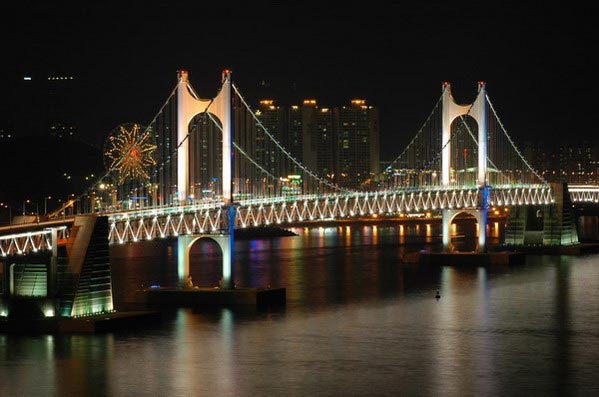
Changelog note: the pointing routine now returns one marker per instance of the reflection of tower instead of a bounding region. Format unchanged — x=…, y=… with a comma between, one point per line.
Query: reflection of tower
x=562, y=321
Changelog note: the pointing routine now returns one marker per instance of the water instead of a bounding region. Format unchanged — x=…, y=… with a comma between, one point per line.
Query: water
x=357, y=322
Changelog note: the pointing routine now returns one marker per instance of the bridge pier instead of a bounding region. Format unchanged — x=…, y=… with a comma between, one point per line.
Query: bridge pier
x=224, y=241
x=481, y=218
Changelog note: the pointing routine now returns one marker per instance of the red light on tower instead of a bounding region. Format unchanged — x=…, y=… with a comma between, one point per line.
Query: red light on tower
x=182, y=74
x=226, y=72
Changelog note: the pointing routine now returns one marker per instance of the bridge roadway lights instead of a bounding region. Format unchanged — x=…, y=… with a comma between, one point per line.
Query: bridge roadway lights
x=481, y=218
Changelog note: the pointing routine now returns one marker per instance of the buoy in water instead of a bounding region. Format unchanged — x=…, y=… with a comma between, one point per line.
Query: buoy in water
x=438, y=295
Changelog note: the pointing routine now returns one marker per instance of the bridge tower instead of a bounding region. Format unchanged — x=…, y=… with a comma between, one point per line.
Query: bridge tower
x=478, y=111
x=188, y=106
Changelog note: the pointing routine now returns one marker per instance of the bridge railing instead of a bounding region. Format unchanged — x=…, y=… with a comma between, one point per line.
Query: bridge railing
x=30, y=242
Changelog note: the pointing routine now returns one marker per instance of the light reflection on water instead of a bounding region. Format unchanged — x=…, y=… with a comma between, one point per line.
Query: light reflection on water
x=358, y=322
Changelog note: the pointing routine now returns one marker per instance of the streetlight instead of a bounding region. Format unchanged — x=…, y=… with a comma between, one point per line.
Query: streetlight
x=26, y=201
x=45, y=206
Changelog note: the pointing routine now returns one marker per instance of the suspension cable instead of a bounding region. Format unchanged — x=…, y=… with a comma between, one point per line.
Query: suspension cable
x=241, y=150
x=389, y=167
x=512, y=142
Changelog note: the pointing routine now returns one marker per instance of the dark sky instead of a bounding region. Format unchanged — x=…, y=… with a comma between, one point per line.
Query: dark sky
x=535, y=57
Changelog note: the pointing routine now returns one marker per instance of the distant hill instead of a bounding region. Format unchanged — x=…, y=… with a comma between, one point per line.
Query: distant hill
x=34, y=167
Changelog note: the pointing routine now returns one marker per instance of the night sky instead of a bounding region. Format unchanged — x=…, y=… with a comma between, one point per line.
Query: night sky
x=535, y=58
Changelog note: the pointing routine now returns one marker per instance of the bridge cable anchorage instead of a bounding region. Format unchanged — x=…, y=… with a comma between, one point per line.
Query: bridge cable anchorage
x=512, y=142
x=289, y=155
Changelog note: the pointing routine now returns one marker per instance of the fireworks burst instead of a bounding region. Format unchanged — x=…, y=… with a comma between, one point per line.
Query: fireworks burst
x=129, y=153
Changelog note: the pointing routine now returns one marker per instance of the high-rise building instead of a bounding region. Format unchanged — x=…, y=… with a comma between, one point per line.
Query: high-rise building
x=576, y=162
x=273, y=118
x=295, y=132
x=318, y=152
x=357, y=143
x=339, y=144
x=571, y=161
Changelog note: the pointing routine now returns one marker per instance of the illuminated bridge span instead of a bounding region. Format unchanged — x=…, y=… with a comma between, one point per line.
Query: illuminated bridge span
x=212, y=165
x=133, y=226
x=33, y=241
x=584, y=194
x=229, y=171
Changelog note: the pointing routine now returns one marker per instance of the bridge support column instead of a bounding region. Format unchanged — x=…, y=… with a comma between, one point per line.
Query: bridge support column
x=184, y=244
x=53, y=268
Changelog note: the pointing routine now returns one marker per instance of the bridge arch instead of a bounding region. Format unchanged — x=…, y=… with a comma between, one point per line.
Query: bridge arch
x=481, y=219
x=184, y=246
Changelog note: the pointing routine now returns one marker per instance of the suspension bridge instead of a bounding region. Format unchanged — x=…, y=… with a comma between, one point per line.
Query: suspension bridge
x=213, y=166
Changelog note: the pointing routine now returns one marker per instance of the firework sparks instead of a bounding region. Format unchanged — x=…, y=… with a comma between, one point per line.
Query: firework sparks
x=129, y=153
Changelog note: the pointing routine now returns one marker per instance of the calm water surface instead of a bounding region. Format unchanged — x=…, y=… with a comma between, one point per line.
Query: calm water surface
x=357, y=322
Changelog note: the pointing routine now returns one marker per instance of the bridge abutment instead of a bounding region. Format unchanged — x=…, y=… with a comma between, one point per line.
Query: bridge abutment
x=547, y=225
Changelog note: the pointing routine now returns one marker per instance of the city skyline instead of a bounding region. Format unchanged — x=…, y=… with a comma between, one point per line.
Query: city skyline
x=535, y=63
